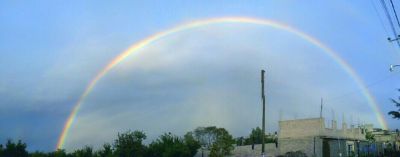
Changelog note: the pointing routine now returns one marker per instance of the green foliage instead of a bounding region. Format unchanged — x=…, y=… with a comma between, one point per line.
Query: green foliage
x=85, y=152
x=191, y=143
x=396, y=113
x=38, y=154
x=1, y=150
x=255, y=137
x=13, y=149
x=129, y=144
x=295, y=154
x=206, y=136
x=240, y=141
x=223, y=144
x=168, y=145
x=218, y=140
x=369, y=136
x=58, y=153
x=107, y=151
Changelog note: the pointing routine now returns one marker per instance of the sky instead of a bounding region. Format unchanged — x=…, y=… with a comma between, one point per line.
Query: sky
x=209, y=75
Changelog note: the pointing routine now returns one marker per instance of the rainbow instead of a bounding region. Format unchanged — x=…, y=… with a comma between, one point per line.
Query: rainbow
x=199, y=23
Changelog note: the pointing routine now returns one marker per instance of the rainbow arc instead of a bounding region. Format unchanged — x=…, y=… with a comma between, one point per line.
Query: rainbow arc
x=212, y=21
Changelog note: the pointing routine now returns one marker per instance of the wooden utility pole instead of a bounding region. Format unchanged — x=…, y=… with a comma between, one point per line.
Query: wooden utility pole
x=263, y=112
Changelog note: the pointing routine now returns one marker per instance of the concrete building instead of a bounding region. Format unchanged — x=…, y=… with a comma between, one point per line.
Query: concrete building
x=390, y=140
x=314, y=139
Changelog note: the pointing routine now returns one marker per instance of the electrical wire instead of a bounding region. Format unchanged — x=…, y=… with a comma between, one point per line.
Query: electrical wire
x=383, y=3
x=368, y=86
x=379, y=17
x=395, y=13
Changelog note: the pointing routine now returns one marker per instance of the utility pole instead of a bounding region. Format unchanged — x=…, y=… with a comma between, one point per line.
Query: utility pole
x=263, y=112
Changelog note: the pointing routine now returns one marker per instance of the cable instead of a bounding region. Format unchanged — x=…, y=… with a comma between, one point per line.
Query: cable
x=390, y=20
x=379, y=17
x=395, y=14
x=368, y=86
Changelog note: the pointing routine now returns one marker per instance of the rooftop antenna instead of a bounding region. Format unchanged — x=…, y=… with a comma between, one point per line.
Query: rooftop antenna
x=344, y=125
x=333, y=119
x=351, y=121
x=343, y=120
x=320, y=112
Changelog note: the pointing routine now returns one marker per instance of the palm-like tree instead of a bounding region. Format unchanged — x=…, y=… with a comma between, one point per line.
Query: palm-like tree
x=396, y=114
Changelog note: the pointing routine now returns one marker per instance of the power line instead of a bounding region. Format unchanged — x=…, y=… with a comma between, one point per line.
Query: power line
x=383, y=3
x=368, y=86
x=395, y=14
x=379, y=17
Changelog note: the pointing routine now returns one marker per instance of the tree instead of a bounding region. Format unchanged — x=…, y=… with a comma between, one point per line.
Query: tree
x=255, y=137
x=218, y=140
x=38, y=154
x=58, y=153
x=206, y=136
x=395, y=114
x=1, y=150
x=106, y=151
x=15, y=149
x=85, y=152
x=168, y=145
x=369, y=136
x=240, y=141
x=191, y=143
x=223, y=144
x=129, y=144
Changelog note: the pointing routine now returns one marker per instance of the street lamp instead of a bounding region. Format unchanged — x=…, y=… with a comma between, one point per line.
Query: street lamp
x=391, y=69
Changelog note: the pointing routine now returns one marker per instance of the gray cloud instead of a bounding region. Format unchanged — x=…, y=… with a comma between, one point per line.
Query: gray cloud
x=210, y=76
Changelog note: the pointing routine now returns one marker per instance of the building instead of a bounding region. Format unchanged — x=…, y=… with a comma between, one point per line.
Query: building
x=312, y=137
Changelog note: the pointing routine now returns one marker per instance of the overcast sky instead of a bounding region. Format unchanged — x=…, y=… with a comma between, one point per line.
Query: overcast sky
x=50, y=50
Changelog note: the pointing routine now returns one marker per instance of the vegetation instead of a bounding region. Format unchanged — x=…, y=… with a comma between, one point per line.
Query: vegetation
x=369, y=136
x=217, y=140
x=396, y=114
x=14, y=149
x=255, y=137
x=130, y=144
x=295, y=154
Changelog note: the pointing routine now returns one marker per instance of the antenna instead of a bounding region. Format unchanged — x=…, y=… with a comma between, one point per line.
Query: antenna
x=320, y=112
x=351, y=121
x=343, y=119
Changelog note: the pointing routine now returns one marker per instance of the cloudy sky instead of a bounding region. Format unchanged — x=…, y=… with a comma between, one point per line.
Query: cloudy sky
x=210, y=75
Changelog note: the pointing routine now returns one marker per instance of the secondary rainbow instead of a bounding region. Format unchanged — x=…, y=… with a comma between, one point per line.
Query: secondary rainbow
x=199, y=23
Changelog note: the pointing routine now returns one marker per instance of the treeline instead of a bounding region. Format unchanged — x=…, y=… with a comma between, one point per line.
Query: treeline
x=130, y=144
x=255, y=137
x=217, y=141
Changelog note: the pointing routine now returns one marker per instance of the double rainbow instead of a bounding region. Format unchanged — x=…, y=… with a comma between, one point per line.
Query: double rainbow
x=199, y=23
